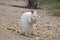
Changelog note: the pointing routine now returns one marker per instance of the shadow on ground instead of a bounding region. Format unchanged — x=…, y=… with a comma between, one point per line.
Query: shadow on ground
x=23, y=7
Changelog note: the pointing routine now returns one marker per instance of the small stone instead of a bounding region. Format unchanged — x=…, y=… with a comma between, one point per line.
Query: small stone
x=50, y=25
x=37, y=37
x=39, y=16
x=47, y=35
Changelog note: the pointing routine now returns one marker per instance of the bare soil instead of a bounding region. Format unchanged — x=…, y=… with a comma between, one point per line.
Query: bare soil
x=48, y=27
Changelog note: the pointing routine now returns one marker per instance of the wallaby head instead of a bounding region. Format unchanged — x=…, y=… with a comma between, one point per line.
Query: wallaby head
x=35, y=15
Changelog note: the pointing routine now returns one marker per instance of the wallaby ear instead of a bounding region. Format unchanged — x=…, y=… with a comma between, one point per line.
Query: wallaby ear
x=37, y=13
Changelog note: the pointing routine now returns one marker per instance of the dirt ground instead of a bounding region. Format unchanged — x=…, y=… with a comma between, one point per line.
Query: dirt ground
x=48, y=27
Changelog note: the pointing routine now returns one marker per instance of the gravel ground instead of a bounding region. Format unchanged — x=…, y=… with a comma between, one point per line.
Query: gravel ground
x=48, y=27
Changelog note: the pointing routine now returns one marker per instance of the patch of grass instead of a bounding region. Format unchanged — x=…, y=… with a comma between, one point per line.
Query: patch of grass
x=55, y=13
x=55, y=6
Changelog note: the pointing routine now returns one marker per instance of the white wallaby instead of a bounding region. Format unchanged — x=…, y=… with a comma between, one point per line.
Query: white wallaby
x=27, y=22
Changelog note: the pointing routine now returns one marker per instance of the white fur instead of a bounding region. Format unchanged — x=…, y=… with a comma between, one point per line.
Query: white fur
x=24, y=22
